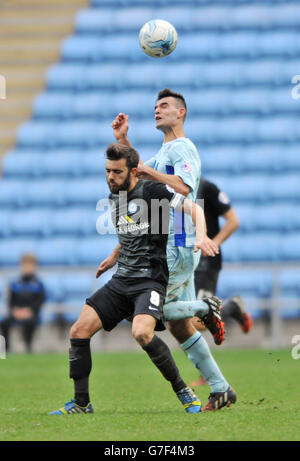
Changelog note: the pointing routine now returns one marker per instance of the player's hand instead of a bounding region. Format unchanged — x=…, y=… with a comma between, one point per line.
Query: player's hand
x=23, y=313
x=108, y=263
x=207, y=246
x=120, y=127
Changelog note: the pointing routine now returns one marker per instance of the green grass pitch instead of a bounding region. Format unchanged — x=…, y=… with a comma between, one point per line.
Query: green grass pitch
x=133, y=402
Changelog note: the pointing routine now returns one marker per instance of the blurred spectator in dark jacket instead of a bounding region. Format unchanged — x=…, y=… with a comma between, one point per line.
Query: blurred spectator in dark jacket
x=26, y=295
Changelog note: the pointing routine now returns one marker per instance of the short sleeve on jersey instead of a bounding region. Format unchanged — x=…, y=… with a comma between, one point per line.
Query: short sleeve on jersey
x=217, y=198
x=150, y=162
x=158, y=190
x=186, y=164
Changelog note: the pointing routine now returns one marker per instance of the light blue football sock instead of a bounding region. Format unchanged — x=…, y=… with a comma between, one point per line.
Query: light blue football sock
x=199, y=353
x=179, y=310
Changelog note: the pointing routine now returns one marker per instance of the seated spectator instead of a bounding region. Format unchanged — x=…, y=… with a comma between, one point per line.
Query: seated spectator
x=25, y=298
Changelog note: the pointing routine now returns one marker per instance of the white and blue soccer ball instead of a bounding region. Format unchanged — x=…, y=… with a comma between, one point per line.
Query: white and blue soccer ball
x=158, y=38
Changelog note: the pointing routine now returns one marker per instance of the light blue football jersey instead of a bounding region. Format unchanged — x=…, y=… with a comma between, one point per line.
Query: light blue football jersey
x=180, y=158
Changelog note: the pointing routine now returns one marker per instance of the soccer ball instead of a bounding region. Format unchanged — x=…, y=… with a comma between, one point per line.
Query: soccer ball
x=158, y=38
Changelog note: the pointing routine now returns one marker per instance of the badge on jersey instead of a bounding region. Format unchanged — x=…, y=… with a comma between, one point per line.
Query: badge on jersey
x=186, y=168
x=132, y=207
x=223, y=198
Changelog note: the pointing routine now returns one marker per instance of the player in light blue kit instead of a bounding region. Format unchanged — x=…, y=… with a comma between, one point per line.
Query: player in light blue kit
x=177, y=164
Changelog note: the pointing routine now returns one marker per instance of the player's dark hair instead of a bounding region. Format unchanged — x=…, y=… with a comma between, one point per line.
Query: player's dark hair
x=166, y=92
x=118, y=151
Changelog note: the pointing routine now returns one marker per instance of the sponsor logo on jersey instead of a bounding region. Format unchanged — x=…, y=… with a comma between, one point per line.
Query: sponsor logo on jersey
x=124, y=220
x=126, y=224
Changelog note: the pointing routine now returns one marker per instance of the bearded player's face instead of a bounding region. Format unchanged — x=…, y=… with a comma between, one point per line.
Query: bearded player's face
x=118, y=175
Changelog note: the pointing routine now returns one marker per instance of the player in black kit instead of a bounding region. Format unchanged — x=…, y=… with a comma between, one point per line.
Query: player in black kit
x=216, y=204
x=139, y=285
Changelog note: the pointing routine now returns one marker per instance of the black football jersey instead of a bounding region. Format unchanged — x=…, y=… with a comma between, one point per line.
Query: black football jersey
x=216, y=203
x=141, y=218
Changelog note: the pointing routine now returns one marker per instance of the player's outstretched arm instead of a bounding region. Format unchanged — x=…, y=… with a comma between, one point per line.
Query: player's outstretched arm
x=171, y=180
x=120, y=126
x=203, y=242
x=109, y=262
x=230, y=226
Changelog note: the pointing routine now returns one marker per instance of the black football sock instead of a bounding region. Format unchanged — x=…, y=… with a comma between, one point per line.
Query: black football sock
x=80, y=367
x=161, y=356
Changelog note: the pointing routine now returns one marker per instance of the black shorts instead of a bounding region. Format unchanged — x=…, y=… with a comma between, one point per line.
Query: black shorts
x=206, y=277
x=125, y=297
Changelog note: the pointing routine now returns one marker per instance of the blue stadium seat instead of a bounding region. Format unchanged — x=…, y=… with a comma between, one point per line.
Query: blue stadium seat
x=289, y=160
x=92, y=105
x=65, y=76
x=276, y=217
x=278, y=44
x=248, y=217
x=277, y=129
x=132, y=19
x=261, y=158
x=93, y=49
x=56, y=251
x=5, y=223
x=17, y=164
x=213, y=18
x=289, y=281
x=256, y=283
x=12, y=249
x=126, y=3
x=77, y=285
x=52, y=105
x=205, y=46
x=60, y=163
x=72, y=308
x=92, y=162
x=37, y=134
x=260, y=247
x=213, y=130
x=145, y=133
x=242, y=188
x=30, y=223
x=81, y=134
x=209, y=101
x=289, y=307
x=284, y=187
x=290, y=247
x=268, y=217
x=86, y=191
x=112, y=76
x=54, y=288
x=91, y=21
x=2, y=300
x=44, y=192
x=73, y=221
x=252, y=247
x=280, y=101
x=221, y=160
x=152, y=76
x=11, y=193
x=96, y=249
x=269, y=71
x=263, y=17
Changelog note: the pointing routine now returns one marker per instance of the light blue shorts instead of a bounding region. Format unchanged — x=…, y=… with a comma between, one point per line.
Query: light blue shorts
x=182, y=261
